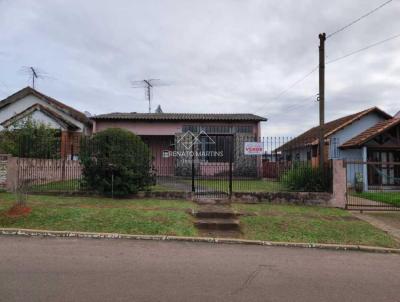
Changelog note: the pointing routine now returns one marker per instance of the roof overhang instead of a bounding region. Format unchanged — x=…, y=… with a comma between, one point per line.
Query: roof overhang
x=75, y=114
x=65, y=124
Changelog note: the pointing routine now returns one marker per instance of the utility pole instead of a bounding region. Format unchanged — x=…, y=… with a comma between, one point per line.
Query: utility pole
x=322, y=38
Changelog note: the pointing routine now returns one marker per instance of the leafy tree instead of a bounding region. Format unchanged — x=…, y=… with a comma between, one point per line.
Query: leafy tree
x=30, y=138
x=115, y=161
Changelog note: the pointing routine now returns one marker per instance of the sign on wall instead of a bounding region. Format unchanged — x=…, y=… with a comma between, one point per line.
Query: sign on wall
x=253, y=148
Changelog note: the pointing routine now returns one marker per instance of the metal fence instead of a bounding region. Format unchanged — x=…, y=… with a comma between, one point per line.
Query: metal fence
x=373, y=186
x=212, y=165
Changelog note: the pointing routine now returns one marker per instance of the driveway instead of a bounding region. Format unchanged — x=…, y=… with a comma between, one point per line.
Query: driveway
x=56, y=269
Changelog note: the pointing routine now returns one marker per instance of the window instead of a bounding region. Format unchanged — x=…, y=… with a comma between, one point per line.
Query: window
x=216, y=148
x=334, y=151
x=218, y=129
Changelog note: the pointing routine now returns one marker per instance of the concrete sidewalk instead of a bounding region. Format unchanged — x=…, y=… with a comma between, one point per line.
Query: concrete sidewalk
x=386, y=221
x=61, y=269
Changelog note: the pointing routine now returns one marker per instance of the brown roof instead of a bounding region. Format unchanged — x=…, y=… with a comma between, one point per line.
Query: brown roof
x=180, y=117
x=370, y=133
x=311, y=137
x=62, y=107
x=50, y=113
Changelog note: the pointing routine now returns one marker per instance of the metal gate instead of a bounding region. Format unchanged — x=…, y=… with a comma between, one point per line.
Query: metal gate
x=373, y=186
x=212, y=160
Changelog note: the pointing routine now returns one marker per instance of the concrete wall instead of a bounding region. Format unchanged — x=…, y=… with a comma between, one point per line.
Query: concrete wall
x=3, y=170
x=31, y=171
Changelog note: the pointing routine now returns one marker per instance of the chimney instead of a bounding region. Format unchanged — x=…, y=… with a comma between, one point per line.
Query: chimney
x=397, y=115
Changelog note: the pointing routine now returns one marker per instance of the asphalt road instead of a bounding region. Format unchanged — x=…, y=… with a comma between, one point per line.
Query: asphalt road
x=37, y=269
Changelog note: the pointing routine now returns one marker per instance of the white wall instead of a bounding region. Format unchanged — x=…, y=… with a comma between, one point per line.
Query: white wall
x=26, y=102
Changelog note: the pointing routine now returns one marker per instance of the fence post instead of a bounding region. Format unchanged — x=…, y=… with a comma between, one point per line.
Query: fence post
x=12, y=174
x=339, y=185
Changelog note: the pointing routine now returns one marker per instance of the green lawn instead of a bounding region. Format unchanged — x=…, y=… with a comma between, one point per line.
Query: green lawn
x=253, y=185
x=386, y=197
x=74, y=185
x=210, y=184
x=155, y=217
x=308, y=224
x=171, y=217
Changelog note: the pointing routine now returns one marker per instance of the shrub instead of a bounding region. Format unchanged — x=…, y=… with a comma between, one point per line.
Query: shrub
x=115, y=161
x=30, y=138
x=305, y=178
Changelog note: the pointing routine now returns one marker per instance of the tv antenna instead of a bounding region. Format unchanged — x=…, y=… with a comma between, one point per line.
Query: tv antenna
x=34, y=74
x=147, y=84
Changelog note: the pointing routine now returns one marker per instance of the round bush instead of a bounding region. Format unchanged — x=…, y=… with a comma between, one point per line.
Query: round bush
x=116, y=161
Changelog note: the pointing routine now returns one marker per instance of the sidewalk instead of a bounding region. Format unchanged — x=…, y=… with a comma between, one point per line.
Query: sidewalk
x=386, y=221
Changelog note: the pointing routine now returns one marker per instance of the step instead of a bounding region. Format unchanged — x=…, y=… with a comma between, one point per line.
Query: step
x=217, y=224
x=214, y=212
x=212, y=201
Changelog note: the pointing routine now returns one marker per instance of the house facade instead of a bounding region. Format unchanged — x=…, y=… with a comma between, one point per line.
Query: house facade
x=371, y=135
x=30, y=103
x=176, y=140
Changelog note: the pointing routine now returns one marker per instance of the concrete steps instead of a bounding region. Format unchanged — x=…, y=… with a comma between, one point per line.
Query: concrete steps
x=217, y=224
x=218, y=218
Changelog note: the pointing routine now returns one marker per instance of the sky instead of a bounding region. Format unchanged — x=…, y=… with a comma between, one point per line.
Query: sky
x=211, y=56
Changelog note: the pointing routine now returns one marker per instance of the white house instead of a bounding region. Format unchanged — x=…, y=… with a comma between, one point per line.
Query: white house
x=28, y=102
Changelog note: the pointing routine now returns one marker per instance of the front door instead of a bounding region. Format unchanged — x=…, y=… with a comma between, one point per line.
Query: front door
x=383, y=171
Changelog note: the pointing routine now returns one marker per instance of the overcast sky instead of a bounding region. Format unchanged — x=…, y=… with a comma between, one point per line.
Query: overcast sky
x=214, y=56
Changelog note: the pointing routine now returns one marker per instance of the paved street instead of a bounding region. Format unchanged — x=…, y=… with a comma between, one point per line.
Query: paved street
x=56, y=269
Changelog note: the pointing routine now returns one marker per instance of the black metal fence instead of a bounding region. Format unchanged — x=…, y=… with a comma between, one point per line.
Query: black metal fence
x=206, y=164
x=373, y=186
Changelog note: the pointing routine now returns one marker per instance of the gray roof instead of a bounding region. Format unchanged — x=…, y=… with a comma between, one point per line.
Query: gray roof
x=180, y=116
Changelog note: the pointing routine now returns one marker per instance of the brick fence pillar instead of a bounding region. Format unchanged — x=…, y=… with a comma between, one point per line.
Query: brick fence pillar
x=339, y=184
x=12, y=174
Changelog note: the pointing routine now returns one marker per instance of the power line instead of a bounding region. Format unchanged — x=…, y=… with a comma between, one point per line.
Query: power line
x=363, y=49
x=295, y=83
x=359, y=19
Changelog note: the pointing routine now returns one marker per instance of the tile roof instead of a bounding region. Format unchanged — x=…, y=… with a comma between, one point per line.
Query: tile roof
x=57, y=104
x=370, y=133
x=311, y=137
x=180, y=116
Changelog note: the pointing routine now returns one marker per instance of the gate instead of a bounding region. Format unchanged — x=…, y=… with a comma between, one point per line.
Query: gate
x=212, y=160
x=373, y=186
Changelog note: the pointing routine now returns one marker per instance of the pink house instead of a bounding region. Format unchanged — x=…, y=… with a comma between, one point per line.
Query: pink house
x=175, y=139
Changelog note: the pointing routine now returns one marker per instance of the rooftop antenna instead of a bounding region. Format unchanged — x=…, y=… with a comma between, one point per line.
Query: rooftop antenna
x=34, y=74
x=147, y=84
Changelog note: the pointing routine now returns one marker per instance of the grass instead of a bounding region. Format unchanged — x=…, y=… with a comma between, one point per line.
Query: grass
x=308, y=224
x=171, y=217
x=211, y=184
x=253, y=185
x=75, y=185
x=386, y=197
x=154, y=217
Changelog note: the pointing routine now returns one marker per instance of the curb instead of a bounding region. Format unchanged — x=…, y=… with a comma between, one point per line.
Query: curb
x=69, y=234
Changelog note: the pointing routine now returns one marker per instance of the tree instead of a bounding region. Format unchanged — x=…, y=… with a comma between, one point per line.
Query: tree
x=30, y=138
x=115, y=162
